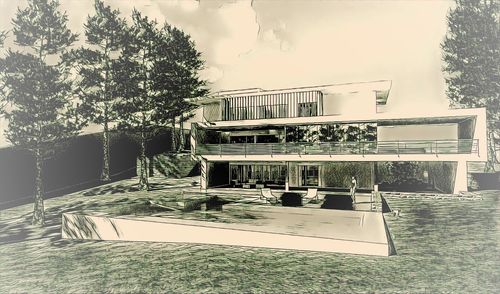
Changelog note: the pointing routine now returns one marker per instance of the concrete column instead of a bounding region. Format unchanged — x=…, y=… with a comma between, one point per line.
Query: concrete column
x=460, y=177
x=204, y=174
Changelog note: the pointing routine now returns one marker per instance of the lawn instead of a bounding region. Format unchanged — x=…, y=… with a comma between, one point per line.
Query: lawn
x=443, y=246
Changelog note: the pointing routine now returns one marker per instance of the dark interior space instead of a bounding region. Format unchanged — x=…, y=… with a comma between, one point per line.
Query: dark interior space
x=333, y=201
x=218, y=174
x=75, y=166
x=487, y=181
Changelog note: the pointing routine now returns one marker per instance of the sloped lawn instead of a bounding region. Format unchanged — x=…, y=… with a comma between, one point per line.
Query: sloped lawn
x=443, y=246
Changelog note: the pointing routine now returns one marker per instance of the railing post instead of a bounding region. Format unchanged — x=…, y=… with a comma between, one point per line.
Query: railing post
x=330, y=149
x=272, y=145
x=220, y=149
x=245, y=149
x=371, y=201
x=398, y=148
x=436, y=142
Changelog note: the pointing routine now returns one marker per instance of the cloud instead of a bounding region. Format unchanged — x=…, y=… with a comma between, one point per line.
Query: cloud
x=278, y=36
x=185, y=5
x=240, y=33
x=212, y=74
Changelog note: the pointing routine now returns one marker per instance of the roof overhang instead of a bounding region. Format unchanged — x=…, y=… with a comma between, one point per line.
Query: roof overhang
x=319, y=120
x=382, y=89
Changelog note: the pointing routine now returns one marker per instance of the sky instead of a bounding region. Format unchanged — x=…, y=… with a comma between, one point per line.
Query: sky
x=273, y=44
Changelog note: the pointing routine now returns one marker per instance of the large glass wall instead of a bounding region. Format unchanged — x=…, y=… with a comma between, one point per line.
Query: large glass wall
x=332, y=133
x=258, y=173
x=298, y=133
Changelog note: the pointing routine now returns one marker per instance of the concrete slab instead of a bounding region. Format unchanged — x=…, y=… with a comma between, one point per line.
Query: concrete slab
x=353, y=232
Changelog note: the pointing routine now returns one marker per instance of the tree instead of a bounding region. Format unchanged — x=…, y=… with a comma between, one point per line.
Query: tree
x=403, y=170
x=105, y=33
x=176, y=78
x=158, y=71
x=40, y=114
x=472, y=62
x=3, y=36
x=137, y=109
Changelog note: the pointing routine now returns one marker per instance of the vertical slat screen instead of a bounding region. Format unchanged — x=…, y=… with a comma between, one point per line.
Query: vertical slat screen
x=276, y=105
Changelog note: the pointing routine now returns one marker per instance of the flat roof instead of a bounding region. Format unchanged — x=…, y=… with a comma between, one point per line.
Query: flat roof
x=381, y=87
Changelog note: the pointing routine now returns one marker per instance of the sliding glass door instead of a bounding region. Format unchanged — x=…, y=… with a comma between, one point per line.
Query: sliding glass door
x=309, y=175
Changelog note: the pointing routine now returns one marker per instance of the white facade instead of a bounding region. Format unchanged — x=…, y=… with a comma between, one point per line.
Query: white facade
x=454, y=136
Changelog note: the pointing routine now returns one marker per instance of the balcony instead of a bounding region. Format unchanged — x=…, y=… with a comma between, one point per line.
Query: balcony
x=462, y=146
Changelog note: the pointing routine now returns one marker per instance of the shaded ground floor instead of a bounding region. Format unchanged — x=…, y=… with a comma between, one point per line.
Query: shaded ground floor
x=435, y=176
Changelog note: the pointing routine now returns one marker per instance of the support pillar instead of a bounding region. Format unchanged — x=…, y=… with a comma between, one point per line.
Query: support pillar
x=287, y=181
x=460, y=177
x=204, y=174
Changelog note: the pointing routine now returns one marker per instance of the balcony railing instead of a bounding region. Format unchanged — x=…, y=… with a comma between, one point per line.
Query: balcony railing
x=462, y=146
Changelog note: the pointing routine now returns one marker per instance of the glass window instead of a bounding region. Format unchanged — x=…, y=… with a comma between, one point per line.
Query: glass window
x=310, y=175
x=368, y=132
x=308, y=109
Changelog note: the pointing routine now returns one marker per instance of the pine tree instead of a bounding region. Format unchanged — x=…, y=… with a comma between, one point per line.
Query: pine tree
x=105, y=33
x=137, y=108
x=176, y=78
x=40, y=115
x=3, y=36
x=471, y=54
x=158, y=71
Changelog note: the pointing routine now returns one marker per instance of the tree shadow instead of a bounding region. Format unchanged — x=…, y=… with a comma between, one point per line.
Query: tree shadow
x=111, y=189
x=19, y=229
x=16, y=230
x=159, y=186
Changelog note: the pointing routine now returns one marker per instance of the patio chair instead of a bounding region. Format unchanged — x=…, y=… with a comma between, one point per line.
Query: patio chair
x=265, y=193
x=311, y=194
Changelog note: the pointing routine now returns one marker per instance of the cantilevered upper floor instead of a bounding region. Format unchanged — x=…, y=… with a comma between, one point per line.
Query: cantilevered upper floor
x=375, y=137
x=314, y=101
x=342, y=120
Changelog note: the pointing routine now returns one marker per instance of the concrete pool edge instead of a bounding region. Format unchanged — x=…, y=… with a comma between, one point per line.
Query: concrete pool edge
x=175, y=230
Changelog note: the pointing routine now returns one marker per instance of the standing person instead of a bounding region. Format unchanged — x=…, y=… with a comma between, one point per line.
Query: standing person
x=354, y=185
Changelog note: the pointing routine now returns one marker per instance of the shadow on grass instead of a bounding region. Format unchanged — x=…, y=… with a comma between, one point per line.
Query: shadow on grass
x=110, y=189
x=19, y=229
x=15, y=230
x=158, y=186
x=121, y=188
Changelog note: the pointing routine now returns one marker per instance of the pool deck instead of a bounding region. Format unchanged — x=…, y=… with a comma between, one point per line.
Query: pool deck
x=302, y=228
x=363, y=200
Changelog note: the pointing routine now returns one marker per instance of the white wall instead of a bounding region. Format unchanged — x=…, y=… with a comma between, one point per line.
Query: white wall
x=417, y=132
x=363, y=102
x=198, y=117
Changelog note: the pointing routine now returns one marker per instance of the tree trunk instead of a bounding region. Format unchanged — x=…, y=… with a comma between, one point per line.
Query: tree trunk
x=182, y=139
x=143, y=177
x=492, y=158
x=174, y=139
x=38, y=209
x=105, y=148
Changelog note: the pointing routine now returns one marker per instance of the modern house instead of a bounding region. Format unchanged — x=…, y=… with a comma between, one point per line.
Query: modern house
x=320, y=136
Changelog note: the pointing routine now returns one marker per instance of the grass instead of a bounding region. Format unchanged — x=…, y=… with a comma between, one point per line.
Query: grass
x=444, y=246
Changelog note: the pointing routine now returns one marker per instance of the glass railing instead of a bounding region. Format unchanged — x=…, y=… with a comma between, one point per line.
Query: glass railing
x=462, y=146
